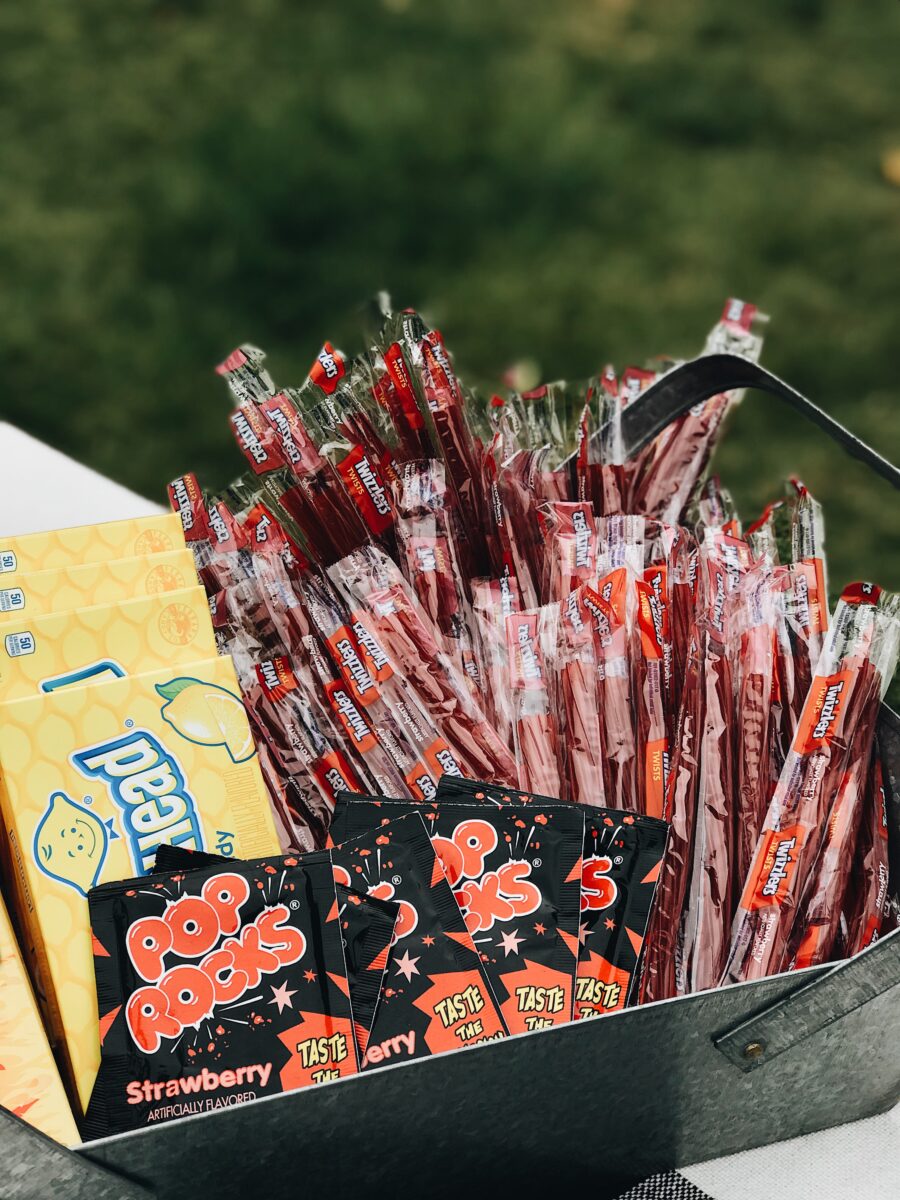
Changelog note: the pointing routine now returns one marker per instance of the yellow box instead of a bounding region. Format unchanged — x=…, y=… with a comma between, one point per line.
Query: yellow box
x=30, y=1085
x=107, y=641
x=93, y=780
x=64, y=588
x=90, y=543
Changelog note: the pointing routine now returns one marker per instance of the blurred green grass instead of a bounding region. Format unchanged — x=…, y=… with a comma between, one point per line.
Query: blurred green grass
x=573, y=183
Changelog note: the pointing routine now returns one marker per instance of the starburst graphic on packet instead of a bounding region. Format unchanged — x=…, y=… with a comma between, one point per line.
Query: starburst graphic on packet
x=282, y=996
x=406, y=966
x=510, y=942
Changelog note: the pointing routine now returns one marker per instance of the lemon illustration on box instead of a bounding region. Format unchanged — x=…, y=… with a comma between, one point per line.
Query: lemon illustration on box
x=64, y=588
x=207, y=715
x=70, y=843
x=88, y=645
x=94, y=779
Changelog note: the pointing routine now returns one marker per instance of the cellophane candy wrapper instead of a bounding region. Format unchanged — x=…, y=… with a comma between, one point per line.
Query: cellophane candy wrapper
x=530, y=642
x=683, y=450
x=868, y=910
x=415, y=584
x=663, y=962
x=836, y=727
x=621, y=860
x=436, y=996
x=724, y=561
x=516, y=874
x=430, y=562
x=217, y=986
x=420, y=680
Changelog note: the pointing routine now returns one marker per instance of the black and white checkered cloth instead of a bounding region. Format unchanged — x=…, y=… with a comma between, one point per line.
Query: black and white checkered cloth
x=668, y=1186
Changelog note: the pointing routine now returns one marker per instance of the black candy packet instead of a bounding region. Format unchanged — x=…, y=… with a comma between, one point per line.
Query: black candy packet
x=367, y=927
x=367, y=930
x=216, y=986
x=623, y=854
x=515, y=871
x=435, y=996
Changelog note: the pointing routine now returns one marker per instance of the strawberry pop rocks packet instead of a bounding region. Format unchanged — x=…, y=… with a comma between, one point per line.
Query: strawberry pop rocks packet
x=217, y=986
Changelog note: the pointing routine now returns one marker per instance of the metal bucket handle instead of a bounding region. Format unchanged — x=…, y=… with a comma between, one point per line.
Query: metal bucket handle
x=701, y=378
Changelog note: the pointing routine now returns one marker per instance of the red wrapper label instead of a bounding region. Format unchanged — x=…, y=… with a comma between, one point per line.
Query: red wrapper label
x=266, y=533
x=396, y=368
x=809, y=590
x=777, y=863
x=718, y=594
x=525, y=663
x=186, y=499
x=439, y=759
x=228, y=535
x=599, y=610
x=420, y=782
x=299, y=450
x=856, y=593
x=739, y=313
x=364, y=484
x=357, y=728
x=822, y=713
x=440, y=374
x=343, y=647
x=256, y=439
x=328, y=370
x=577, y=521
x=613, y=590
x=276, y=678
x=634, y=381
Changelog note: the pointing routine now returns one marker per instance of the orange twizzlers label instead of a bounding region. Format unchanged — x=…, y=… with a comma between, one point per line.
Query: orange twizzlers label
x=821, y=717
x=777, y=864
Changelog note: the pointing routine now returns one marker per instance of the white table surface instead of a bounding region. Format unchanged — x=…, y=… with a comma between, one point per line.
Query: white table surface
x=43, y=489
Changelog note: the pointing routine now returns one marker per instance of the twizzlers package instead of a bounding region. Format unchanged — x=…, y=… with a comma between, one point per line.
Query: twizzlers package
x=837, y=727
x=515, y=871
x=435, y=995
x=217, y=986
x=621, y=861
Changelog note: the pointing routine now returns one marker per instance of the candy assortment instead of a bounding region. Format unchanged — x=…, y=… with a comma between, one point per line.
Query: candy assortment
x=531, y=730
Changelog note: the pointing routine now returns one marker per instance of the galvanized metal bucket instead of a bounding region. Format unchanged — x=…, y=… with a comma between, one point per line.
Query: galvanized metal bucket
x=603, y=1102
